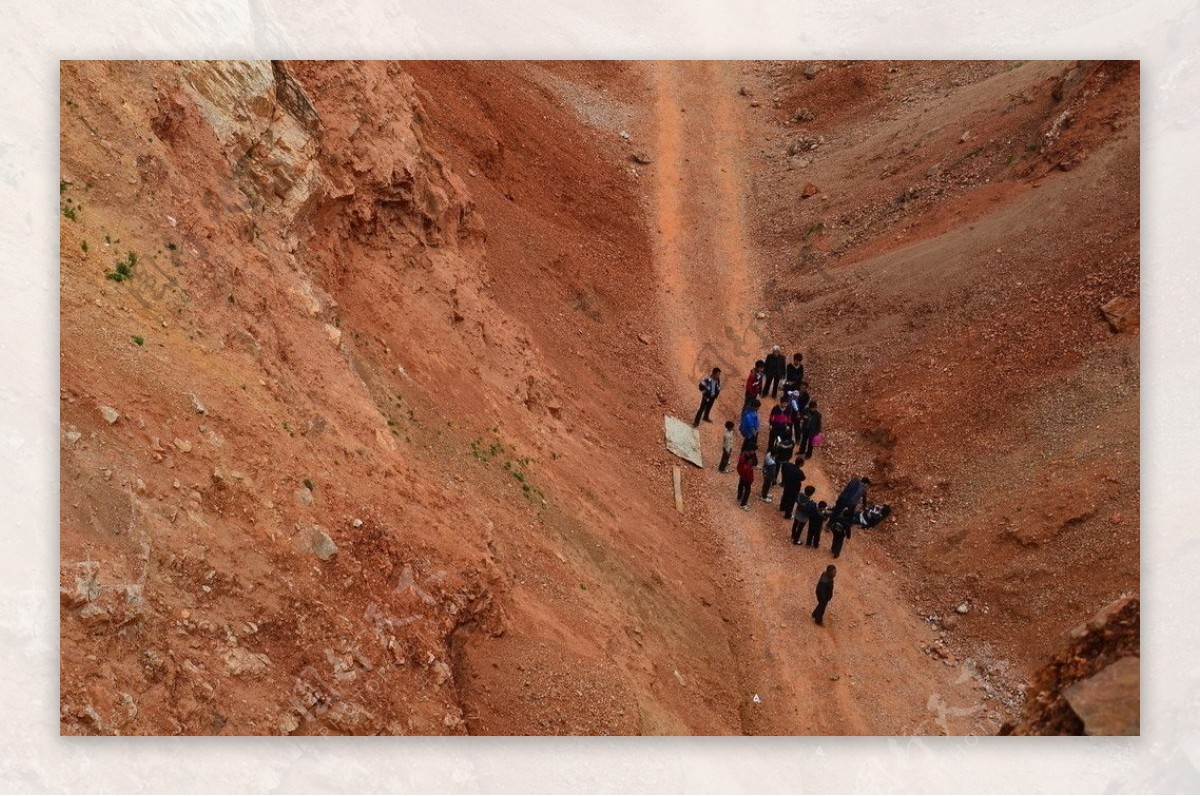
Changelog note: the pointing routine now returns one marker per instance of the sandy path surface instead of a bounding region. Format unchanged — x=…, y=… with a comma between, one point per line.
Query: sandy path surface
x=864, y=672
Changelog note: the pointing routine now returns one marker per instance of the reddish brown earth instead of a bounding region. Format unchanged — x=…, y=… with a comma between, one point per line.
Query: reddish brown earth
x=949, y=300
x=438, y=309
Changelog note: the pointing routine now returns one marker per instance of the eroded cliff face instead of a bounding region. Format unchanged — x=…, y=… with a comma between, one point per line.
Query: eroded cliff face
x=315, y=477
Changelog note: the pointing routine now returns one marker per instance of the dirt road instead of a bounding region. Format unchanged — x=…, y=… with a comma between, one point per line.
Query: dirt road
x=865, y=671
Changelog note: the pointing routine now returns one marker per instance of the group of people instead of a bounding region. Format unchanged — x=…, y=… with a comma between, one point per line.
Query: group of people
x=793, y=430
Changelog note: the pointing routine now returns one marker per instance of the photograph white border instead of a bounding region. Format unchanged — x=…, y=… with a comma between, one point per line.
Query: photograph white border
x=1163, y=35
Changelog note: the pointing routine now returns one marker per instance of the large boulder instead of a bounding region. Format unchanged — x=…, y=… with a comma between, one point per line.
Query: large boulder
x=1109, y=702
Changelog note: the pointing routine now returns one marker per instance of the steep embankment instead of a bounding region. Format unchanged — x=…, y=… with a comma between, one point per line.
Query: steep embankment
x=324, y=468
x=940, y=240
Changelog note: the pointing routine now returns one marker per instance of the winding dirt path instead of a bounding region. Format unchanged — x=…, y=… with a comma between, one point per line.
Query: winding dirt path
x=864, y=672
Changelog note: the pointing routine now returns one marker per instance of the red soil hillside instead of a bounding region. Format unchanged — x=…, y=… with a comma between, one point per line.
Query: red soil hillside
x=363, y=369
x=947, y=284
x=336, y=297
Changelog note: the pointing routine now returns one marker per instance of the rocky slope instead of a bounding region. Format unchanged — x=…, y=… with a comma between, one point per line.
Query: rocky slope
x=362, y=381
x=955, y=247
x=318, y=476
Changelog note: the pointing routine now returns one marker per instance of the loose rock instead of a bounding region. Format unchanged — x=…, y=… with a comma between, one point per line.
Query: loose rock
x=320, y=544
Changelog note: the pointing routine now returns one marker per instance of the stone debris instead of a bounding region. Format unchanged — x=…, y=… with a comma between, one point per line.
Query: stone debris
x=109, y=414
x=1122, y=314
x=320, y=545
x=241, y=662
x=1109, y=702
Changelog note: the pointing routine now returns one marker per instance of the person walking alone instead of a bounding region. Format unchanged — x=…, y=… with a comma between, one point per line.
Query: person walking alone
x=710, y=388
x=745, y=470
x=824, y=593
x=773, y=369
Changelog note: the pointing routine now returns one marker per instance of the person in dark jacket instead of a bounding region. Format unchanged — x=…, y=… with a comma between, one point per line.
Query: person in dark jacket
x=779, y=421
x=794, y=374
x=810, y=428
x=710, y=388
x=854, y=495
x=816, y=521
x=840, y=525
x=792, y=477
x=784, y=447
x=754, y=382
x=805, y=508
x=745, y=471
x=798, y=400
x=773, y=369
x=824, y=593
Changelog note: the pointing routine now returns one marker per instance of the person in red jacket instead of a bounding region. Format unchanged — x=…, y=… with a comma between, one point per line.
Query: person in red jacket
x=754, y=382
x=745, y=471
x=779, y=419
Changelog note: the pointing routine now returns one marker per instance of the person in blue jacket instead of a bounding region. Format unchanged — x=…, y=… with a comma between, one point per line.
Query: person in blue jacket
x=749, y=425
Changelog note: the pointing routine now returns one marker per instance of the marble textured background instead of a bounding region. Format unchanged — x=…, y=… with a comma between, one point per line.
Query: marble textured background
x=1165, y=35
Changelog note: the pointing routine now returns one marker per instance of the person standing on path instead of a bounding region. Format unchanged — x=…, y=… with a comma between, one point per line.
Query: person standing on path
x=816, y=521
x=792, y=477
x=824, y=593
x=754, y=382
x=806, y=508
x=797, y=406
x=854, y=494
x=770, y=468
x=749, y=425
x=839, y=526
x=726, y=447
x=794, y=375
x=710, y=388
x=810, y=427
x=778, y=421
x=773, y=369
x=784, y=447
x=745, y=470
